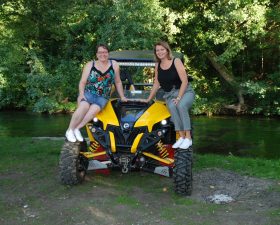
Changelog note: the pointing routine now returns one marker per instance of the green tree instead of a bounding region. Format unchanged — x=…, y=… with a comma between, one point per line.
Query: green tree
x=220, y=31
x=44, y=44
x=30, y=44
x=131, y=24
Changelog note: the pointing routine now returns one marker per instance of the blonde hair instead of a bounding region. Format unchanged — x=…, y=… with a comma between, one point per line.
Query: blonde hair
x=166, y=46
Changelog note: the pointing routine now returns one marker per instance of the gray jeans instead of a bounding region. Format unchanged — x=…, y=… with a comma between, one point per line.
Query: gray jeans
x=180, y=112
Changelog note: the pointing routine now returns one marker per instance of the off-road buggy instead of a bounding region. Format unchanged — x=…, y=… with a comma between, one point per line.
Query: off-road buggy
x=130, y=135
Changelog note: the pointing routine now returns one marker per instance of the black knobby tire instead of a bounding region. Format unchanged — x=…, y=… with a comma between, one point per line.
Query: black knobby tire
x=182, y=171
x=72, y=165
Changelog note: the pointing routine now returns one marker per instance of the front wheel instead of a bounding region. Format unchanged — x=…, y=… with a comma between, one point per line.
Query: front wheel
x=72, y=165
x=182, y=171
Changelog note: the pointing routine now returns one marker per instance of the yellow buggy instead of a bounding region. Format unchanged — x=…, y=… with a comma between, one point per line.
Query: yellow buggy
x=130, y=135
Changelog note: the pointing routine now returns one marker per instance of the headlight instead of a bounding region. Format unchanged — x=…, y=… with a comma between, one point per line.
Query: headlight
x=163, y=122
x=97, y=122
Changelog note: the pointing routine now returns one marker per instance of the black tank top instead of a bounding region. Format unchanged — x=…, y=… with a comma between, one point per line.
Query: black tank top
x=169, y=78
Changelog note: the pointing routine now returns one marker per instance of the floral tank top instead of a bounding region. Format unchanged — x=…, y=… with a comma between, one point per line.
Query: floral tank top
x=99, y=83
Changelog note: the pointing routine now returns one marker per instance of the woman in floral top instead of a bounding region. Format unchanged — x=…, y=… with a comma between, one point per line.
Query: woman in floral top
x=94, y=91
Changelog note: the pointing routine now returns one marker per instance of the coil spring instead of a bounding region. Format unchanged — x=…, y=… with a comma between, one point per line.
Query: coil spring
x=162, y=150
x=93, y=146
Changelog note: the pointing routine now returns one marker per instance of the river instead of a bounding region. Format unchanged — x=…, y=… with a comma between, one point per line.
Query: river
x=241, y=136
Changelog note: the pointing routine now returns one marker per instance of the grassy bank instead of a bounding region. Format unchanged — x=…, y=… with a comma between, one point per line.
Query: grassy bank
x=27, y=152
x=32, y=194
x=257, y=167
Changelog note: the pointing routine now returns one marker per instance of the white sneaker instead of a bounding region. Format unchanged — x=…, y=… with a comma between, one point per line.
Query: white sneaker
x=178, y=142
x=186, y=143
x=70, y=136
x=78, y=135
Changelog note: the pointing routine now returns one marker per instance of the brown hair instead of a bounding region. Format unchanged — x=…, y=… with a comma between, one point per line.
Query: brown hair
x=166, y=46
x=103, y=46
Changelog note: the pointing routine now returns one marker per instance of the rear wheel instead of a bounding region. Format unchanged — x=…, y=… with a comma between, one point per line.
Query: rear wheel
x=182, y=172
x=72, y=165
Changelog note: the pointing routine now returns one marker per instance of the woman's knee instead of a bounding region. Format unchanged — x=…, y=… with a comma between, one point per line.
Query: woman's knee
x=94, y=109
x=183, y=106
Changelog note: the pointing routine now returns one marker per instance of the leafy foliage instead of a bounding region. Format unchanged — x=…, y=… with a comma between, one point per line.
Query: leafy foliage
x=43, y=46
x=245, y=37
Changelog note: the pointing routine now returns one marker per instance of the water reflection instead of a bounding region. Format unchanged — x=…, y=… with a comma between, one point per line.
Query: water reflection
x=241, y=136
x=238, y=136
x=32, y=124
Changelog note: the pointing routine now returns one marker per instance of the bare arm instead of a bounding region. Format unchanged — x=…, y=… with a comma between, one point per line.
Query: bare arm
x=118, y=82
x=183, y=77
x=156, y=85
x=83, y=81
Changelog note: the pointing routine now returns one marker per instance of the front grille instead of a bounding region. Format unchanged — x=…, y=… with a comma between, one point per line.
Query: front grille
x=126, y=138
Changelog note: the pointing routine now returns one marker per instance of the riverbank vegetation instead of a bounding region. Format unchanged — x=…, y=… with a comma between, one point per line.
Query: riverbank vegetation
x=231, y=49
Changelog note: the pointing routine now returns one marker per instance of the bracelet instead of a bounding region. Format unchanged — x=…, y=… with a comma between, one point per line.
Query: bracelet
x=178, y=98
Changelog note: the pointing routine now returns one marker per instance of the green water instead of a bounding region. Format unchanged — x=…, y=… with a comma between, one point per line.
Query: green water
x=25, y=124
x=242, y=136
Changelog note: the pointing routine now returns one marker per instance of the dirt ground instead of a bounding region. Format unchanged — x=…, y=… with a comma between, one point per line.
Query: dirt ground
x=252, y=197
x=137, y=199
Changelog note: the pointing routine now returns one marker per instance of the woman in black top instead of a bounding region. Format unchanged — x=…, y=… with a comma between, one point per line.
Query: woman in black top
x=171, y=76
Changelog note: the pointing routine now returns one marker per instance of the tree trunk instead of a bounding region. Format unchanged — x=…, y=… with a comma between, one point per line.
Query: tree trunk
x=229, y=78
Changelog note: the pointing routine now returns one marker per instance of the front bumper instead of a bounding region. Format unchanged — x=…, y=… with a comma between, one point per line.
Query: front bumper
x=137, y=140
